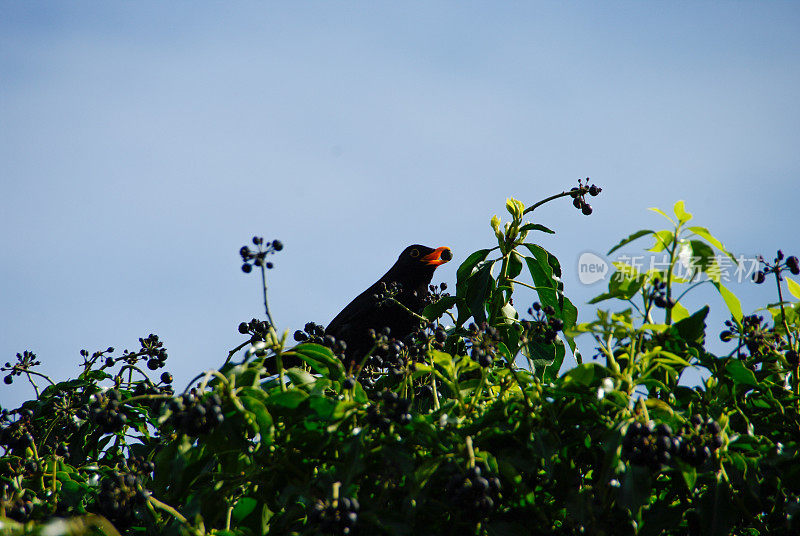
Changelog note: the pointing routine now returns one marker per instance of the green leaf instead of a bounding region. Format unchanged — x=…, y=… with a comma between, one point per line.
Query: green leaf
x=536, y=227
x=734, y=306
x=514, y=265
x=478, y=288
x=635, y=489
x=320, y=358
x=435, y=310
x=693, y=328
x=586, y=374
x=631, y=238
x=740, y=374
x=794, y=287
x=259, y=411
x=679, y=312
x=663, y=239
x=243, y=508
x=703, y=256
x=704, y=233
x=469, y=264
x=287, y=399
x=681, y=213
x=659, y=211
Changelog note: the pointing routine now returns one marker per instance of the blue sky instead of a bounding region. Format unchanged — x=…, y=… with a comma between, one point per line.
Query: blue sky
x=141, y=144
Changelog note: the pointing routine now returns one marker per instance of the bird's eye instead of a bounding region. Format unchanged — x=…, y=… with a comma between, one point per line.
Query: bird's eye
x=414, y=253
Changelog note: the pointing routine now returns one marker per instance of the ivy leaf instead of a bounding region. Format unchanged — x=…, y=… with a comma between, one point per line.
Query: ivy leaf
x=794, y=287
x=536, y=227
x=741, y=374
x=435, y=310
x=631, y=238
x=680, y=212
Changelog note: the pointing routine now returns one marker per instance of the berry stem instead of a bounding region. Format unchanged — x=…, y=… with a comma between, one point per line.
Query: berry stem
x=583, y=191
x=264, y=289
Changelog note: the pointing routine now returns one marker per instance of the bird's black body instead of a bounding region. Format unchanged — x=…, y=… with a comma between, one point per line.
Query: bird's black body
x=413, y=271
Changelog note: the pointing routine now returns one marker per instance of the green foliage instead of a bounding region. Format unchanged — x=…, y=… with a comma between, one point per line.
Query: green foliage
x=458, y=439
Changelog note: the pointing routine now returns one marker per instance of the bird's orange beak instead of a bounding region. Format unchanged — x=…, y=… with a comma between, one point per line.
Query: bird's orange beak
x=438, y=256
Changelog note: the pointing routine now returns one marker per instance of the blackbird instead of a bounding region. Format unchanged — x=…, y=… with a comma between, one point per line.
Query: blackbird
x=412, y=273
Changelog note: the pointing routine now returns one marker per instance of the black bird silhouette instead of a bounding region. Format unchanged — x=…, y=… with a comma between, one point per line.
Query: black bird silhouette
x=413, y=272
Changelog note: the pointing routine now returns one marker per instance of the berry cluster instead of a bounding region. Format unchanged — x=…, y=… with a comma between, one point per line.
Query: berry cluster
x=578, y=194
x=89, y=361
x=257, y=329
x=121, y=497
x=650, y=445
x=25, y=361
x=152, y=350
x=653, y=446
x=315, y=333
x=699, y=439
x=474, y=494
x=157, y=392
x=778, y=265
x=16, y=435
x=394, y=409
x=658, y=295
x=252, y=258
x=104, y=411
x=390, y=353
x=755, y=334
x=335, y=516
x=195, y=415
x=544, y=327
x=483, y=343
x=387, y=293
x=20, y=508
x=436, y=292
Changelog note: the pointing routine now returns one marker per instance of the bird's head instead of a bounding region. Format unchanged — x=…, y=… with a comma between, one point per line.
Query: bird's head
x=416, y=264
x=425, y=256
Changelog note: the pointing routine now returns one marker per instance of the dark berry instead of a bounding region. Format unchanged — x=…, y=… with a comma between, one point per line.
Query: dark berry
x=247, y=268
x=8, y=379
x=166, y=377
x=277, y=245
x=153, y=364
x=759, y=277
x=244, y=328
x=793, y=264
x=257, y=240
x=725, y=336
x=586, y=209
x=594, y=190
x=577, y=203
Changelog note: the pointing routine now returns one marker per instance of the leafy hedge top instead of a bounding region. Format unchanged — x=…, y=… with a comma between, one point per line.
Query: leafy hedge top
x=443, y=432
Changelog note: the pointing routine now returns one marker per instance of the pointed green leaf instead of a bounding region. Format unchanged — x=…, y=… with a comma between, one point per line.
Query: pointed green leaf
x=711, y=239
x=631, y=238
x=663, y=239
x=679, y=312
x=466, y=268
x=693, y=328
x=478, y=289
x=741, y=374
x=680, y=212
x=514, y=265
x=435, y=310
x=659, y=211
x=794, y=287
x=734, y=306
x=536, y=227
